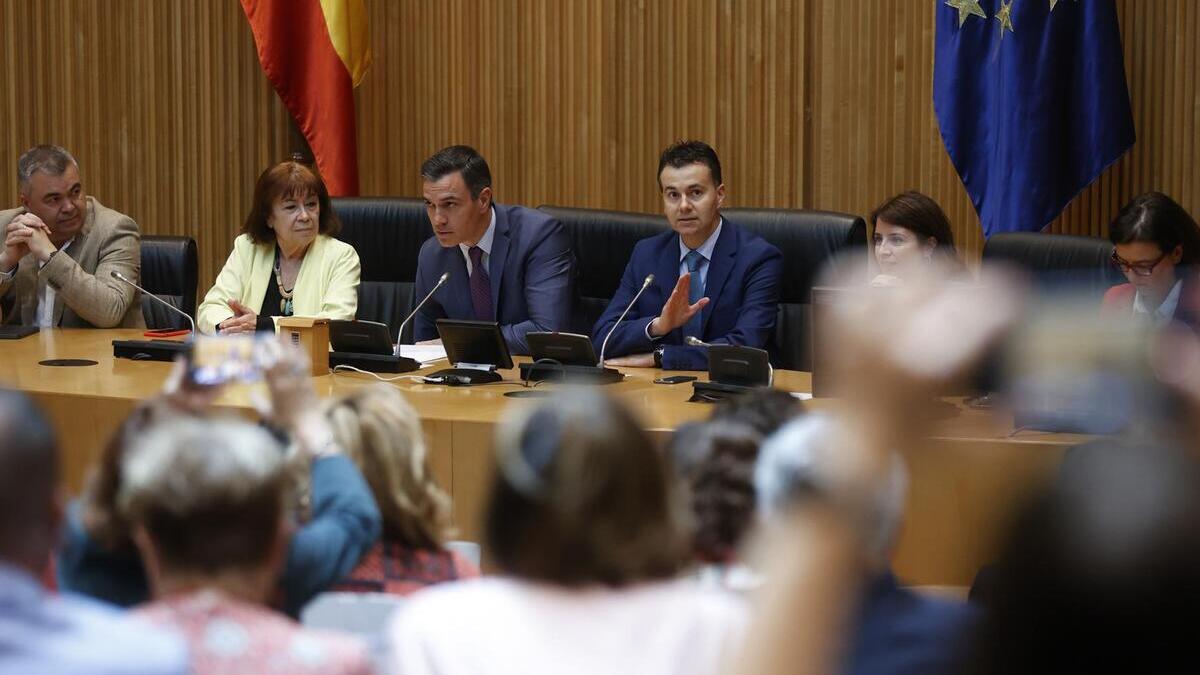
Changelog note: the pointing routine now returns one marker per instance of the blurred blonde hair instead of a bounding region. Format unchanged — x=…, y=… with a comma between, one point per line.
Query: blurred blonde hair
x=381, y=433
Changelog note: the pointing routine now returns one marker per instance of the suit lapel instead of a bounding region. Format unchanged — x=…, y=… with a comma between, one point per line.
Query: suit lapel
x=498, y=257
x=455, y=295
x=667, y=273
x=724, y=256
x=72, y=251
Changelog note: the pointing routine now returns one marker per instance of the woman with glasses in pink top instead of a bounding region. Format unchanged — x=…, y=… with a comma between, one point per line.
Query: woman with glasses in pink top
x=1156, y=244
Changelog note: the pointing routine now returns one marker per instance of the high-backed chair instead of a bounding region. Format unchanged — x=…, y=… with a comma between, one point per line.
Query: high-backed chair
x=811, y=242
x=1057, y=261
x=387, y=232
x=602, y=241
x=169, y=271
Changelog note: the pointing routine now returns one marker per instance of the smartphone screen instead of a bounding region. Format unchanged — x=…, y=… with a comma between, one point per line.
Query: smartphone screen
x=222, y=359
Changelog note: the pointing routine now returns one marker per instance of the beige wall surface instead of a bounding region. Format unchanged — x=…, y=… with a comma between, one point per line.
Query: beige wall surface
x=811, y=103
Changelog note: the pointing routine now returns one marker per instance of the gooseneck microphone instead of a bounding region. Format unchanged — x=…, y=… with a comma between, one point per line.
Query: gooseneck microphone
x=121, y=277
x=695, y=341
x=604, y=345
x=441, y=280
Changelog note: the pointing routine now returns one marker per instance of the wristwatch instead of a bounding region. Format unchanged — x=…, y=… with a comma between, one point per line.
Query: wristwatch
x=658, y=354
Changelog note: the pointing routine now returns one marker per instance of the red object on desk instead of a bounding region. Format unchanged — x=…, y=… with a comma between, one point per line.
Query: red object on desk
x=166, y=332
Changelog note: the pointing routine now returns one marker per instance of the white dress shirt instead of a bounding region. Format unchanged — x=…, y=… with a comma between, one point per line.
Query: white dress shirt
x=46, y=295
x=1165, y=312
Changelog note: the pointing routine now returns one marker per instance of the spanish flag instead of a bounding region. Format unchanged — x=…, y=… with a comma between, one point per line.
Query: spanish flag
x=315, y=52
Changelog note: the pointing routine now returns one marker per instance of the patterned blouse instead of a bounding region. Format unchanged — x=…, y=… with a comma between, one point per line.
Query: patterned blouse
x=230, y=637
x=399, y=570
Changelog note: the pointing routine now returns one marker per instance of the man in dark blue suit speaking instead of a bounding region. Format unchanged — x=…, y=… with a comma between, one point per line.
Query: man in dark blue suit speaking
x=712, y=279
x=507, y=264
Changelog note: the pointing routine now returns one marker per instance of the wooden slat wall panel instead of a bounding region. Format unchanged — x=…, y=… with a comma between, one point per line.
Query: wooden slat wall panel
x=571, y=102
x=812, y=103
x=163, y=104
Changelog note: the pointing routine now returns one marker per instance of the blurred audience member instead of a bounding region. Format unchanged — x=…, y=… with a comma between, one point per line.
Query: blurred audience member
x=898, y=630
x=584, y=526
x=41, y=633
x=1156, y=244
x=715, y=461
x=206, y=502
x=764, y=410
x=97, y=557
x=1101, y=570
x=913, y=238
x=381, y=433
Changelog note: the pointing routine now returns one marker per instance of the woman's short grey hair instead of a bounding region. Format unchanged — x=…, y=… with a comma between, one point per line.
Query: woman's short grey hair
x=49, y=159
x=794, y=464
x=210, y=493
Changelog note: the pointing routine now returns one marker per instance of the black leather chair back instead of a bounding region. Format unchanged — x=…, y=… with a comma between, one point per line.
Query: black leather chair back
x=1057, y=262
x=387, y=232
x=811, y=242
x=169, y=270
x=603, y=242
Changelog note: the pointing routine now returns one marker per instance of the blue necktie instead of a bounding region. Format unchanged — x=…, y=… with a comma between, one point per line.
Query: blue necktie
x=695, y=291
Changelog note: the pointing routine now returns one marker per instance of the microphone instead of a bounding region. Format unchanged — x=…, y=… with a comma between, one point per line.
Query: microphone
x=695, y=341
x=441, y=280
x=121, y=277
x=604, y=345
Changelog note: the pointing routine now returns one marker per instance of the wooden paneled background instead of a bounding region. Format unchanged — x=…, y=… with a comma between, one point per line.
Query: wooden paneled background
x=811, y=103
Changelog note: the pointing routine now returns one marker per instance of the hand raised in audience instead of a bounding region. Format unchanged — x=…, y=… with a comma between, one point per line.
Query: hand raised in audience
x=294, y=404
x=244, y=320
x=677, y=311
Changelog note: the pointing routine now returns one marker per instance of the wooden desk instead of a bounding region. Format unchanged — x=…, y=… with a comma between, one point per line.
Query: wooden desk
x=962, y=484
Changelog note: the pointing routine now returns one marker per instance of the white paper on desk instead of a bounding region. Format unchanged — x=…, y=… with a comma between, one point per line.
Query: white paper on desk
x=802, y=395
x=423, y=354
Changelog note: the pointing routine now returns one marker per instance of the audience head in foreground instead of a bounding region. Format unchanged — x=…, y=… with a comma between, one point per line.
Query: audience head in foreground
x=207, y=504
x=1155, y=245
x=1101, y=569
x=380, y=432
x=913, y=237
x=41, y=633
x=582, y=497
x=585, y=528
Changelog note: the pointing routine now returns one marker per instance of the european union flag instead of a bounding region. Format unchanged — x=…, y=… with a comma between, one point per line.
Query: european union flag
x=1032, y=103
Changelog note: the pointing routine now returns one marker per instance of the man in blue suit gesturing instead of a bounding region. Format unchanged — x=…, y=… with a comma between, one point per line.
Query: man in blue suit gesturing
x=712, y=279
x=507, y=264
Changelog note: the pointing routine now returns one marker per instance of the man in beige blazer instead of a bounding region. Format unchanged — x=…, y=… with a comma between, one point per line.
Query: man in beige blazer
x=61, y=247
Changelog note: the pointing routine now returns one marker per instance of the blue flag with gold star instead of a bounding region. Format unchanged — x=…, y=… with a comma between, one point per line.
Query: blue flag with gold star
x=1031, y=99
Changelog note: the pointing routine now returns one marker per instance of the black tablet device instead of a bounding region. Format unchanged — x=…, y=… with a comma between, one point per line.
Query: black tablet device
x=474, y=343
x=16, y=332
x=360, y=337
x=569, y=349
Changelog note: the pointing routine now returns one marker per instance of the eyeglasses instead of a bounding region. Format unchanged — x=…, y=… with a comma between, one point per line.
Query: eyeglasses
x=1140, y=269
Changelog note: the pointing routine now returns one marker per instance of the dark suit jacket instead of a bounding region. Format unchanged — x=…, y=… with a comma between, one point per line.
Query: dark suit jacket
x=900, y=632
x=531, y=269
x=742, y=289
